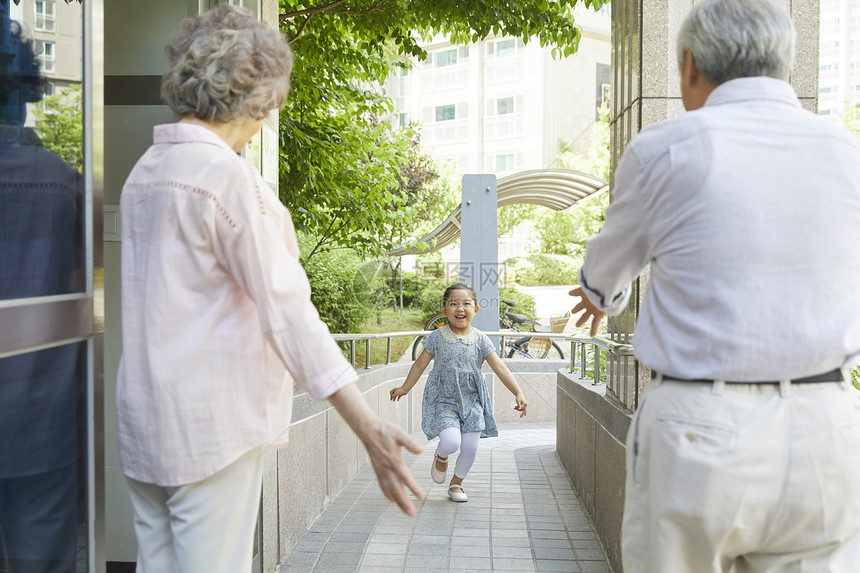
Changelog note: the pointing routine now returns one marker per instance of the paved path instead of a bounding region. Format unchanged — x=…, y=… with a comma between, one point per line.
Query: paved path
x=550, y=299
x=522, y=516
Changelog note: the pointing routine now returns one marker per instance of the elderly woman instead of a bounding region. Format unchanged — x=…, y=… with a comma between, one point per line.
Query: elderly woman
x=217, y=311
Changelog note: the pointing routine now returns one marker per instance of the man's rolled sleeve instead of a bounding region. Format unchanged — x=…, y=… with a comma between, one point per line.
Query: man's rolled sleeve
x=616, y=255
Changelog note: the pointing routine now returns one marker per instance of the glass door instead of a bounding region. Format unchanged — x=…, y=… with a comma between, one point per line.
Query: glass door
x=47, y=286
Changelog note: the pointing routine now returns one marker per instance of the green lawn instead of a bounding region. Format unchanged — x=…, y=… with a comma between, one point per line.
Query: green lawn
x=391, y=321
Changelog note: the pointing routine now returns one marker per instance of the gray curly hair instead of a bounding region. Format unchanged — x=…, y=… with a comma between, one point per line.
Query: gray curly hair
x=226, y=64
x=737, y=39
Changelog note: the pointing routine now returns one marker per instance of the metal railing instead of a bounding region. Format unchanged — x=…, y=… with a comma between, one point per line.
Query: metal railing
x=597, y=344
x=352, y=338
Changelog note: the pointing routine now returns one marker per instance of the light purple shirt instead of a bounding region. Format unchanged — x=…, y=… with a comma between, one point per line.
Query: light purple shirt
x=216, y=310
x=748, y=211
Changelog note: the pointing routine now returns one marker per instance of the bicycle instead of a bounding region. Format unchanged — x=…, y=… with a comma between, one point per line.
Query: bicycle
x=520, y=348
x=437, y=321
x=529, y=347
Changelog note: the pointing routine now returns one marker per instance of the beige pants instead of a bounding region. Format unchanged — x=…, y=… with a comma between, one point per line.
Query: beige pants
x=742, y=477
x=205, y=526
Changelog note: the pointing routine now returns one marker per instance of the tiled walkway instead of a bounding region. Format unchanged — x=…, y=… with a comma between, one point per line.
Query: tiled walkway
x=522, y=515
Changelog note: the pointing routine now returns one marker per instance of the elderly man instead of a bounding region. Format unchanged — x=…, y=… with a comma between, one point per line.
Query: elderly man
x=745, y=450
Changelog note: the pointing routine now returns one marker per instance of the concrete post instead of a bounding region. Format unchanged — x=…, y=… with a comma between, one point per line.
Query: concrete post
x=479, y=247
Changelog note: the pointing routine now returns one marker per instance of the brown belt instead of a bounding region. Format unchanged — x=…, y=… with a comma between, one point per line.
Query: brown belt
x=832, y=376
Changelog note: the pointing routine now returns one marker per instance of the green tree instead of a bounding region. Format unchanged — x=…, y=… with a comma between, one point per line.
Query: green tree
x=565, y=232
x=341, y=166
x=596, y=161
x=851, y=119
x=59, y=125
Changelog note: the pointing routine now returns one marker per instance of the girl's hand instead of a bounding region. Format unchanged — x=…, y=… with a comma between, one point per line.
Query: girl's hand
x=397, y=393
x=521, y=404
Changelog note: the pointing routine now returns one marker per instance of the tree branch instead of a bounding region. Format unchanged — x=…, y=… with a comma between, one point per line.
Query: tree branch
x=301, y=29
x=322, y=239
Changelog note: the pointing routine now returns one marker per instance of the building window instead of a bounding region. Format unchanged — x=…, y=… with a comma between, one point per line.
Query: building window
x=506, y=48
x=404, y=119
x=46, y=15
x=446, y=112
x=446, y=58
x=46, y=58
x=823, y=112
x=504, y=163
x=504, y=105
x=824, y=90
x=603, y=79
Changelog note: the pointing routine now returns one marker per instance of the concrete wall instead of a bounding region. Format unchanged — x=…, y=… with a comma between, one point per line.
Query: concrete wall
x=590, y=434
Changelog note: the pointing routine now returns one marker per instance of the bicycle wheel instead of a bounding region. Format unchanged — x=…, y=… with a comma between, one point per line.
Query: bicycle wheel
x=535, y=348
x=519, y=348
x=435, y=322
x=555, y=353
x=432, y=324
x=539, y=347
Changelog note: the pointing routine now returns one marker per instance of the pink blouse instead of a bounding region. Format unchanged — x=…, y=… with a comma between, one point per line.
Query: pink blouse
x=216, y=311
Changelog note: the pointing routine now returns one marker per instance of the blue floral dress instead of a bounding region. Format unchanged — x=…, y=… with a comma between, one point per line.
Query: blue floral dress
x=456, y=394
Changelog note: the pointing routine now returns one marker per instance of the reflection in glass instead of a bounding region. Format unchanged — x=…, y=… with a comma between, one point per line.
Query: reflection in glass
x=43, y=500
x=41, y=192
x=42, y=460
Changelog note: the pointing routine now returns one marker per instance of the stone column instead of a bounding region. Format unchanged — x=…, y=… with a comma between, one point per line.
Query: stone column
x=646, y=90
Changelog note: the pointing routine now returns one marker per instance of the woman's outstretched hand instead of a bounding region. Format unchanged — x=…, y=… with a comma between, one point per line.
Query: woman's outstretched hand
x=383, y=441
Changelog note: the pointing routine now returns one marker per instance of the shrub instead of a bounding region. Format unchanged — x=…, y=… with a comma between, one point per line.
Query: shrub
x=414, y=286
x=538, y=270
x=340, y=290
x=424, y=293
x=525, y=302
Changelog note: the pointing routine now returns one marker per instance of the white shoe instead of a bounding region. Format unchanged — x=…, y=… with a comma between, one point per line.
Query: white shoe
x=457, y=493
x=439, y=476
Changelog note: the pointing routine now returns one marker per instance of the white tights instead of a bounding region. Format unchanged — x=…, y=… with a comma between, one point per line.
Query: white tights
x=451, y=440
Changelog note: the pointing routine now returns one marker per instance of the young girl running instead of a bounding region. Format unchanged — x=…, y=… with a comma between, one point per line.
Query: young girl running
x=456, y=405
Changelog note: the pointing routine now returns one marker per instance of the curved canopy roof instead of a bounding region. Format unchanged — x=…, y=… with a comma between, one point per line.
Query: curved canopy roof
x=554, y=188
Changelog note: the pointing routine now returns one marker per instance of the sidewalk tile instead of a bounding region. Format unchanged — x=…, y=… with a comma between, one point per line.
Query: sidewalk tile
x=471, y=551
x=513, y=565
x=557, y=566
x=522, y=516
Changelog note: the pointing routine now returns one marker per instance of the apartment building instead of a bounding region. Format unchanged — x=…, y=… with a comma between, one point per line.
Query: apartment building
x=56, y=30
x=839, y=57
x=502, y=105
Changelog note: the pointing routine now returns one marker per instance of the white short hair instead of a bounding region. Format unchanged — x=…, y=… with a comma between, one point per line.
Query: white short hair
x=226, y=64
x=738, y=39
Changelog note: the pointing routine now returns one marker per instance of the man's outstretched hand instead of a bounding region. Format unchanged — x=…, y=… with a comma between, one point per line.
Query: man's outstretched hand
x=590, y=311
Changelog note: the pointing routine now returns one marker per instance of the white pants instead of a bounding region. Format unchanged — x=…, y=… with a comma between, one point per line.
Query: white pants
x=742, y=477
x=451, y=440
x=206, y=526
